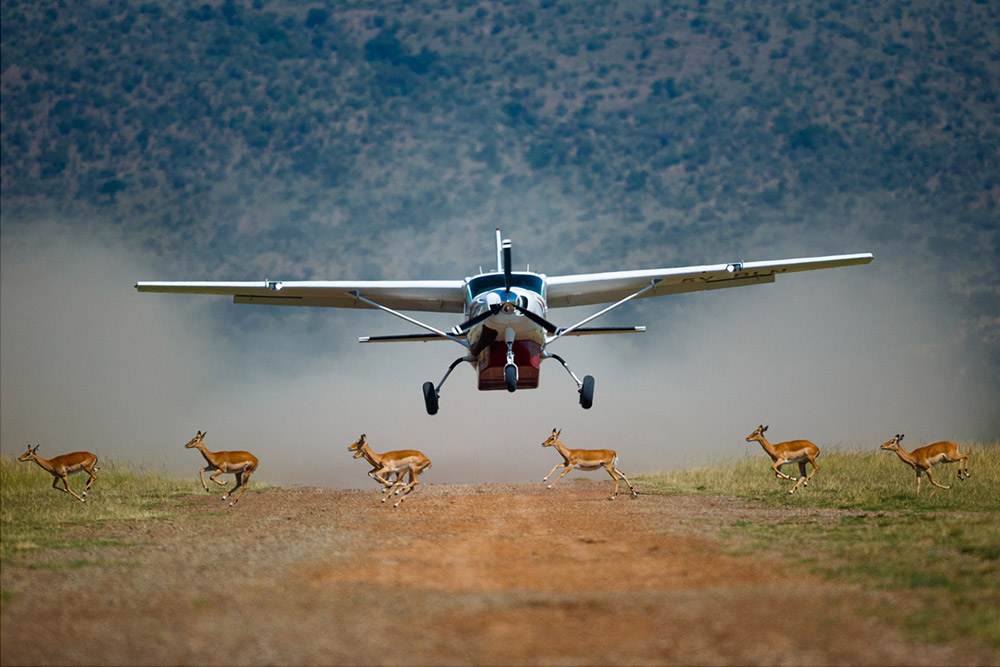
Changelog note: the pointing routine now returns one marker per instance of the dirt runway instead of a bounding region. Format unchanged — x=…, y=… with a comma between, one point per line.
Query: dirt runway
x=461, y=574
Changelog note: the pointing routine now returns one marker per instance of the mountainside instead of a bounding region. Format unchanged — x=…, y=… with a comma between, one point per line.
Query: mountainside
x=237, y=125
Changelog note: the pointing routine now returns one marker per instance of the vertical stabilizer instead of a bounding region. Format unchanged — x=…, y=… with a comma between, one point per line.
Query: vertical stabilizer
x=499, y=255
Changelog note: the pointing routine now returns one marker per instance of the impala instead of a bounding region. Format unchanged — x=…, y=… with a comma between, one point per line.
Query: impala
x=241, y=464
x=793, y=451
x=923, y=458
x=585, y=459
x=63, y=466
x=400, y=462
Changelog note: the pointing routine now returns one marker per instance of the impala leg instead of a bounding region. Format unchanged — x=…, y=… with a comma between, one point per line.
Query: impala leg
x=777, y=471
x=68, y=490
x=239, y=483
x=408, y=488
x=413, y=482
x=400, y=485
x=546, y=478
x=389, y=486
x=963, y=462
x=242, y=479
x=201, y=475
x=918, y=481
x=630, y=487
x=213, y=476
x=567, y=468
x=802, y=466
x=931, y=478
x=93, y=476
x=611, y=471
x=373, y=473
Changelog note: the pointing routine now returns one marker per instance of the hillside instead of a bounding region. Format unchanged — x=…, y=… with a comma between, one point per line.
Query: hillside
x=238, y=125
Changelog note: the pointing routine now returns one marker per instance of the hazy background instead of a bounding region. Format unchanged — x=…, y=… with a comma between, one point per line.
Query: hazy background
x=596, y=139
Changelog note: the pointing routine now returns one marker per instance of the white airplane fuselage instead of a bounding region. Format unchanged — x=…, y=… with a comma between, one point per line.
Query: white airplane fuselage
x=509, y=318
x=489, y=339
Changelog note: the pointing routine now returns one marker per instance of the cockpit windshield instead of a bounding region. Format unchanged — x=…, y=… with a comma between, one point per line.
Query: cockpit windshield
x=492, y=281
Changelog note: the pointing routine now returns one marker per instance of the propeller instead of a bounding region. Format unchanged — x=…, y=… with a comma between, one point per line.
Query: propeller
x=464, y=327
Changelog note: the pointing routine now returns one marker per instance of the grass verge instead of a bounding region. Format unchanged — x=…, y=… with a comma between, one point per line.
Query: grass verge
x=33, y=516
x=942, y=547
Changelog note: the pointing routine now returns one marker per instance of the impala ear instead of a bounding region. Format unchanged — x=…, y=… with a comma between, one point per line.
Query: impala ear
x=765, y=428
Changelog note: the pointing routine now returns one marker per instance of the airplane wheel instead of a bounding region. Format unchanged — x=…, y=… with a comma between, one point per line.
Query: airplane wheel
x=510, y=375
x=587, y=392
x=430, y=398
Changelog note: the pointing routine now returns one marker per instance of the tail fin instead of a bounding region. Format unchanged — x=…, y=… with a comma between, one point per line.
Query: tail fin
x=499, y=252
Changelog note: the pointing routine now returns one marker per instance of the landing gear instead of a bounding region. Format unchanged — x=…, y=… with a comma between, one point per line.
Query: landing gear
x=587, y=392
x=430, y=398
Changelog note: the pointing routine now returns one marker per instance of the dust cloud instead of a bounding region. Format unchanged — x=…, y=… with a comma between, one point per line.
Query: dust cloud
x=845, y=358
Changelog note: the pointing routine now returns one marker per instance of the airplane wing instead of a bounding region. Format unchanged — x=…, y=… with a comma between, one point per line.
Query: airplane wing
x=592, y=288
x=443, y=296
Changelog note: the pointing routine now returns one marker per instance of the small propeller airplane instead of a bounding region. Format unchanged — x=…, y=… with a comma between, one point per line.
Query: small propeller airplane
x=506, y=333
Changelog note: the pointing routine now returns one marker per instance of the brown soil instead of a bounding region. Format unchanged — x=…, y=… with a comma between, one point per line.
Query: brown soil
x=491, y=574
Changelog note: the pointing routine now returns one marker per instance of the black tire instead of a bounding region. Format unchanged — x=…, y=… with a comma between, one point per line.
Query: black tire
x=510, y=376
x=587, y=392
x=430, y=398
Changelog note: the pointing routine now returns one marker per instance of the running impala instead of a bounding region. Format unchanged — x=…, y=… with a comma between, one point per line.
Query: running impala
x=400, y=462
x=585, y=459
x=63, y=466
x=793, y=451
x=241, y=464
x=923, y=458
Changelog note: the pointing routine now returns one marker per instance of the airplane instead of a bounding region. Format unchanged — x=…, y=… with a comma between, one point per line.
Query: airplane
x=506, y=332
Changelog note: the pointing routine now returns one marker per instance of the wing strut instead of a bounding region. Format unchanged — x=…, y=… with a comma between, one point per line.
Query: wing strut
x=562, y=332
x=357, y=295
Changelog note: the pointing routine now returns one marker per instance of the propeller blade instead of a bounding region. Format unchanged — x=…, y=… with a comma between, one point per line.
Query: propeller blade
x=464, y=327
x=506, y=266
x=537, y=319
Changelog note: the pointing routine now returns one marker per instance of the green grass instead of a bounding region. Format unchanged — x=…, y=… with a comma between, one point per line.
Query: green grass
x=33, y=516
x=941, y=547
x=847, y=479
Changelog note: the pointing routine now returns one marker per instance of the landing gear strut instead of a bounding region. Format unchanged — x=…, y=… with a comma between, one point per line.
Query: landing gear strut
x=586, y=387
x=432, y=393
x=510, y=370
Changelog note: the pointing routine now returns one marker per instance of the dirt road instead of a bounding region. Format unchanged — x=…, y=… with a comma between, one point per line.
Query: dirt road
x=487, y=574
